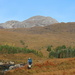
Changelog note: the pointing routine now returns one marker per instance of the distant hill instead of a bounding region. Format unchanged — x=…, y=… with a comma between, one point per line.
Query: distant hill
x=31, y=22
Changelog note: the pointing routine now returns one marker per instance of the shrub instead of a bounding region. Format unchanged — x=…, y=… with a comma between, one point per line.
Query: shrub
x=12, y=50
x=49, y=48
x=22, y=42
x=62, y=52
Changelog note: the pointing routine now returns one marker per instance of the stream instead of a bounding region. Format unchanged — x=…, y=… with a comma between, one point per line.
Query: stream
x=6, y=67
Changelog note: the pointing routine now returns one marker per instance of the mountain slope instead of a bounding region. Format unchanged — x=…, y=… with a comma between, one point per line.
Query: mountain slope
x=31, y=22
x=56, y=34
x=53, y=28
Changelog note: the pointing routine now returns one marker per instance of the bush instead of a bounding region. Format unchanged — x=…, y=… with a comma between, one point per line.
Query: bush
x=62, y=52
x=12, y=50
x=49, y=48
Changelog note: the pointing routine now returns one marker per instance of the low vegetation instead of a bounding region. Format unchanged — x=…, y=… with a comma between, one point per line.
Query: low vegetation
x=49, y=67
x=62, y=52
x=45, y=66
x=6, y=49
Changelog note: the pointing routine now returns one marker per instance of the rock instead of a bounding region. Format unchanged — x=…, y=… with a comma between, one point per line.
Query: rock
x=1, y=63
x=31, y=22
x=11, y=62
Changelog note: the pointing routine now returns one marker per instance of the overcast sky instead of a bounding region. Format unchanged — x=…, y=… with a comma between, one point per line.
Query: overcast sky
x=61, y=10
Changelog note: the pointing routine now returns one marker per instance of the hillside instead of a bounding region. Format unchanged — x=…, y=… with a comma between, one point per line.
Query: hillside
x=40, y=38
x=53, y=28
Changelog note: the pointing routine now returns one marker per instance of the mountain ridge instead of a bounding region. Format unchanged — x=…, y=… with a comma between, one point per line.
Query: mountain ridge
x=31, y=22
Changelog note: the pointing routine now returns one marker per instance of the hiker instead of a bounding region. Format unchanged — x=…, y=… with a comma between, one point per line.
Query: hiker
x=29, y=63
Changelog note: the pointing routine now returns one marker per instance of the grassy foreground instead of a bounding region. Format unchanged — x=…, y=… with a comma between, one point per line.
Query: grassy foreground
x=64, y=66
x=41, y=65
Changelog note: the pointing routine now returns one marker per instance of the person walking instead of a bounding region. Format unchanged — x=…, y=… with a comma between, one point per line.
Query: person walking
x=29, y=63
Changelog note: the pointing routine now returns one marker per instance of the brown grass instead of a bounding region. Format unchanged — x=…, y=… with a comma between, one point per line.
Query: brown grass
x=48, y=67
x=19, y=58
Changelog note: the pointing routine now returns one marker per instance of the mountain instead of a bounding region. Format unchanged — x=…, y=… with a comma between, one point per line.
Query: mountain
x=31, y=22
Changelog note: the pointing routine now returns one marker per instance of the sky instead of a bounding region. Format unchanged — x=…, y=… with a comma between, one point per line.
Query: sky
x=20, y=10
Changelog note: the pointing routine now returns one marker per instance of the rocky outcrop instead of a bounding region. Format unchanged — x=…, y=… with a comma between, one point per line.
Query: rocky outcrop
x=31, y=22
x=9, y=24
